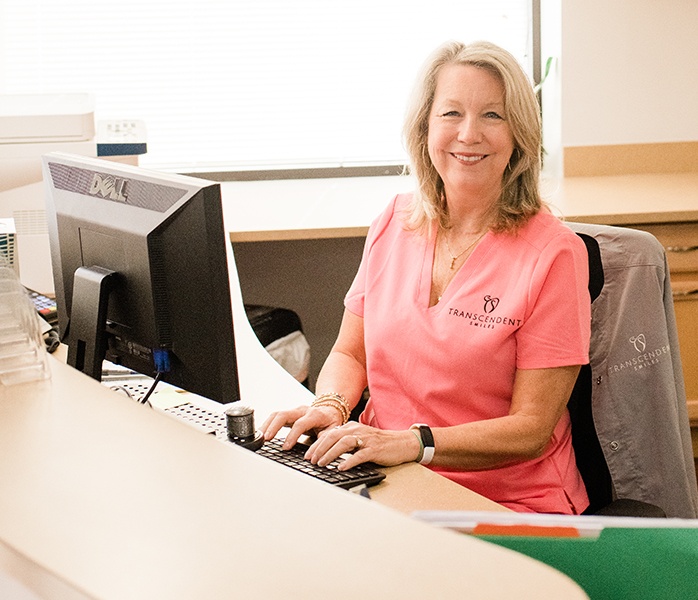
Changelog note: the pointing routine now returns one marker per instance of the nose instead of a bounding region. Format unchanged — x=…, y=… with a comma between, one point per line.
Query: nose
x=469, y=131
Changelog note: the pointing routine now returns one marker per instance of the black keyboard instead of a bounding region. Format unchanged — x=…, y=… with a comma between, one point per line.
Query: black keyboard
x=213, y=423
x=363, y=474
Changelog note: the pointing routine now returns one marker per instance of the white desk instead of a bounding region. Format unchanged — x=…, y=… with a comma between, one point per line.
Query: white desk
x=104, y=498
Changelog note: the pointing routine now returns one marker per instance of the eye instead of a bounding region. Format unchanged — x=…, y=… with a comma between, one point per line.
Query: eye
x=451, y=113
x=493, y=115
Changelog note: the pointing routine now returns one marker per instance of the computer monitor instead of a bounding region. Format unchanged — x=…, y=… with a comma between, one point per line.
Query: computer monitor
x=141, y=274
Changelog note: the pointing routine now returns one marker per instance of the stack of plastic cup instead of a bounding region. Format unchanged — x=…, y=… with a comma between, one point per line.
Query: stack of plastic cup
x=22, y=349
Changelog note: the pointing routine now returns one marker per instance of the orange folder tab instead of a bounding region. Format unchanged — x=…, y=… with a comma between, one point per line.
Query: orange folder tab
x=521, y=529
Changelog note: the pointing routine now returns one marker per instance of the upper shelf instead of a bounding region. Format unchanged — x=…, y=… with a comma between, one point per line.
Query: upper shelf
x=345, y=207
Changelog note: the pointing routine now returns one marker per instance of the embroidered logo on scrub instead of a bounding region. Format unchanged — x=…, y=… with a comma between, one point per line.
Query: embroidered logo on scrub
x=490, y=303
x=643, y=359
x=485, y=319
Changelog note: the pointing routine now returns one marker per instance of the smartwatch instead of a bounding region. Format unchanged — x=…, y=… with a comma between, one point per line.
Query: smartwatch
x=427, y=441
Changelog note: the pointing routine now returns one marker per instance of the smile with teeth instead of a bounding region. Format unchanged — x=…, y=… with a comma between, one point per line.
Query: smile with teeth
x=469, y=158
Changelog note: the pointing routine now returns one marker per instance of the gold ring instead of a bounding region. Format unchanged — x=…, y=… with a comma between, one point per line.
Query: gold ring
x=359, y=442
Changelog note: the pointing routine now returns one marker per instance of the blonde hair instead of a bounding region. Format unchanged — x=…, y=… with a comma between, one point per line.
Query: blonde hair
x=520, y=197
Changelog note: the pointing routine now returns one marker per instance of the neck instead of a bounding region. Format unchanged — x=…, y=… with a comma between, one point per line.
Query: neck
x=470, y=214
x=469, y=222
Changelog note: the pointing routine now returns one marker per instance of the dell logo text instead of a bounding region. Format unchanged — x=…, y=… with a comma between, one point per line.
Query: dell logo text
x=108, y=187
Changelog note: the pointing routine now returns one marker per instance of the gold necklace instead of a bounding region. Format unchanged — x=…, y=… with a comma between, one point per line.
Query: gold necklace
x=457, y=256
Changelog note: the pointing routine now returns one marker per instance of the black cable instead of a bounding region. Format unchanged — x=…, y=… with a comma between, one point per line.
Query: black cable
x=52, y=340
x=144, y=399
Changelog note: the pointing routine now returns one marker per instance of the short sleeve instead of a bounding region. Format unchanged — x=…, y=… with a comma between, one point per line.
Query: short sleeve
x=354, y=300
x=557, y=326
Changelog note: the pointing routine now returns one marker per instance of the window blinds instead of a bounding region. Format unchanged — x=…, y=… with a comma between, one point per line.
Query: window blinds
x=245, y=84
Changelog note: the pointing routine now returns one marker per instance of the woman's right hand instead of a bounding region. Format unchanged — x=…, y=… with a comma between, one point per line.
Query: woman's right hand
x=301, y=420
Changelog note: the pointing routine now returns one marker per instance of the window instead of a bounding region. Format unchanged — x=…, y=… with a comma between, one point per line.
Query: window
x=247, y=84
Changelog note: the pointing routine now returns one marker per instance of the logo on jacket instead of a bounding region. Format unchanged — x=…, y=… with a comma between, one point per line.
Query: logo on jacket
x=643, y=358
x=639, y=342
x=490, y=303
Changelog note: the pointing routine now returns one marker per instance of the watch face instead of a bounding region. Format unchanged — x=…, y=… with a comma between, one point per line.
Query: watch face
x=427, y=436
x=427, y=443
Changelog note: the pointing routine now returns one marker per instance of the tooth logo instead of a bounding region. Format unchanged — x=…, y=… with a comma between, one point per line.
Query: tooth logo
x=490, y=303
x=108, y=187
x=639, y=342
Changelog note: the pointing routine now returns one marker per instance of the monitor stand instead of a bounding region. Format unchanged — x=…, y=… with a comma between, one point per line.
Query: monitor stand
x=87, y=339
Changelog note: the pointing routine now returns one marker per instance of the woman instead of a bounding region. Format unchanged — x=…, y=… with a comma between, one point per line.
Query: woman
x=469, y=316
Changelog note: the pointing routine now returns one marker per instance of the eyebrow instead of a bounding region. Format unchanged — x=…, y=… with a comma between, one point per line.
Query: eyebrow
x=450, y=101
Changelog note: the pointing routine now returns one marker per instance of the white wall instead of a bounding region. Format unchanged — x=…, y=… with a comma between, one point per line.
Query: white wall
x=628, y=71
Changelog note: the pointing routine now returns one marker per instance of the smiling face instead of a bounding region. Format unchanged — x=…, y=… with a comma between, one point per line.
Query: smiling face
x=470, y=142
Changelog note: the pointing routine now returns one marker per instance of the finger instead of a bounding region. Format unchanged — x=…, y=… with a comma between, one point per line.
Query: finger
x=325, y=440
x=352, y=460
x=315, y=420
x=276, y=421
x=344, y=445
x=267, y=425
x=271, y=426
x=294, y=434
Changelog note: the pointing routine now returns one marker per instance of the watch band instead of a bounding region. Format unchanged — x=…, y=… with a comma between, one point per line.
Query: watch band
x=427, y=441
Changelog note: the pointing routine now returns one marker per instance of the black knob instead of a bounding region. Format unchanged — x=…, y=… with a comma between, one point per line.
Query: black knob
x=240, y=424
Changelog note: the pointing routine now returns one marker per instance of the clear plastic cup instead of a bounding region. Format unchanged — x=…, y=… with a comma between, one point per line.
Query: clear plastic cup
x=23, y=354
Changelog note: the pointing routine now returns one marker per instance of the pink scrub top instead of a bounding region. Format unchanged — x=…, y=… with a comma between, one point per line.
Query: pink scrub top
x=520, y=301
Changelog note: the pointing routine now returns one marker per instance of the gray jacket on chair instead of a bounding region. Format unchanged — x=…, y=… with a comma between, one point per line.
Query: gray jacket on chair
x=638, y=394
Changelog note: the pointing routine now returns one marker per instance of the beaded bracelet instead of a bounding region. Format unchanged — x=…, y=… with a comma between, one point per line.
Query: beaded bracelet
x=339, y=398
x=336, y=401
x=334, y=404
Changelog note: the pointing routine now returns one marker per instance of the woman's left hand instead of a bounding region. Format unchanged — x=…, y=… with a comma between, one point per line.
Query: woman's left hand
x=387, y=448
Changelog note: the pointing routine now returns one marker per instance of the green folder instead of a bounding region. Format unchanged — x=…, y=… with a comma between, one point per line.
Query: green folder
x=621, y=563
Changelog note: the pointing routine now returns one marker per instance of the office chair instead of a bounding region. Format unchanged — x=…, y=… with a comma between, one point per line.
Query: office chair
x=630, y=427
